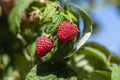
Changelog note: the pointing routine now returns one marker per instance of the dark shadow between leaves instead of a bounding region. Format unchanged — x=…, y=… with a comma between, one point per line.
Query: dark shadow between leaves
x=57, y=69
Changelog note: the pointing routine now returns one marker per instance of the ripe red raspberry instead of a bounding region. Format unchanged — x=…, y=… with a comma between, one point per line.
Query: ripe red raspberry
x=66, y=31
x=43, y=46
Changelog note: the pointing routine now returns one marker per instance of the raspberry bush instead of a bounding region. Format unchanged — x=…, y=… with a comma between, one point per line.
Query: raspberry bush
x=54, y=43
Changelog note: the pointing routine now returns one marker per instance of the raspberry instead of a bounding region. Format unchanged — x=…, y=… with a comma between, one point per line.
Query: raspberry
x=43, y=46
x=66, y=31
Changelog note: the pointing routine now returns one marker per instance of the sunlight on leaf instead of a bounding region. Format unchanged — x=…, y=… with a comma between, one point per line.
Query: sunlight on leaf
x=114, y=57
x=94, y=52
x=99, y=75
x=115, y=72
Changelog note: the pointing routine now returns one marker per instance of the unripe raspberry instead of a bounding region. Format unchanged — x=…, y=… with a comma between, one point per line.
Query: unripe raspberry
x=43, y=46
x=66, y=31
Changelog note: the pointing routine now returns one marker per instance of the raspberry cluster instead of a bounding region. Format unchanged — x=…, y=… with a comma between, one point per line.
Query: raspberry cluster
x=65, y=32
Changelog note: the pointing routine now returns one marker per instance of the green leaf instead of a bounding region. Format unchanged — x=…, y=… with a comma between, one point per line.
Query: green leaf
x=16, y=13
x=4, y=61
x=48, y=71
x=94, y=52
x=51, y=28
x=81, y=66
x=115, y=72
x=99, y=75
x=70, y=16
x=32, y=50
x=114, y=58
x=61, y=51
x=49, y=12
x=87, y=28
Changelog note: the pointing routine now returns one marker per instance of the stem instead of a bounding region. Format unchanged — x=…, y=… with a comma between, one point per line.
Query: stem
x=65, y=6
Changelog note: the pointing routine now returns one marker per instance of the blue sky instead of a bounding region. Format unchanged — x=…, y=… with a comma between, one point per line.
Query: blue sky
x=109, y=34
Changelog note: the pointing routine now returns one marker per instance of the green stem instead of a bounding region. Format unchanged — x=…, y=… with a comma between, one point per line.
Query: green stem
x=65, y=6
